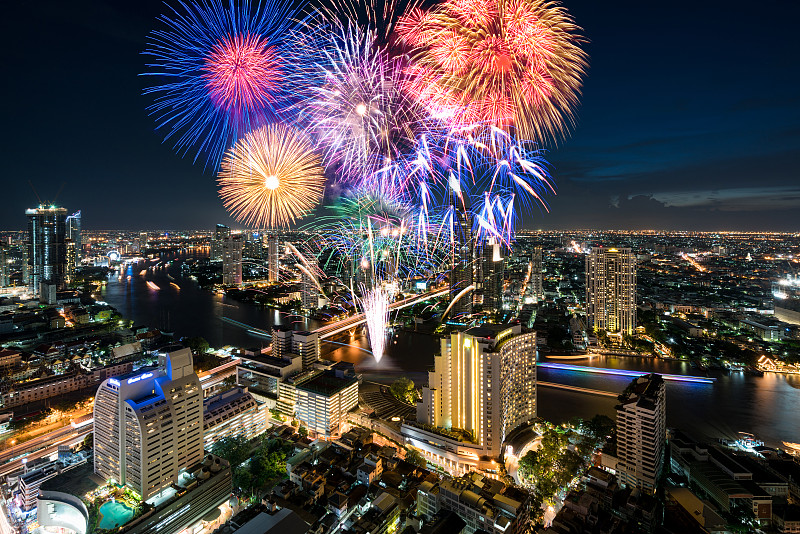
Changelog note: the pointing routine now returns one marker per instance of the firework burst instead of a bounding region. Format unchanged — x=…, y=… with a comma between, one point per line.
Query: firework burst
x=375, y=305
x=218, y=72
x=351, y=98
x=514, y=64
x=271, y=177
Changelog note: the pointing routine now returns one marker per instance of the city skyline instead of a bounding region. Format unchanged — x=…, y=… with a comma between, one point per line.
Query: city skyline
x=660, y=142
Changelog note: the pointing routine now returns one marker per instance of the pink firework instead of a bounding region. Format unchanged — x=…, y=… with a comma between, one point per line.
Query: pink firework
x=513, y=64
x=242, y=73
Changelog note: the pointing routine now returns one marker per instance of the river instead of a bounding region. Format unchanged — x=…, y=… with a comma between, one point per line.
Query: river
x=765, y=406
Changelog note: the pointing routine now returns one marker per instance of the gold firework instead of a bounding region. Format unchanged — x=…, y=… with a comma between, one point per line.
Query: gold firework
x=271, y=177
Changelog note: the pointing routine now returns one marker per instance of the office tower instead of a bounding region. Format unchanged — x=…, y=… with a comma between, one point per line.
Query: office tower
x=537, y=274
x=642, y=432
x=786, y=299
x=281, y=341
x=4, y=270
x=324, y=400
x=273, y=258
x=306, y=345
x=611, y=290
x=231, y=247
x=148, y=425
x=492, y=274
x=47, y=252
x=143, y=238
x=461, y=264
x=309, y=291
x=233, y=413
x=221, y=233
x=72, y=261
x=74, y=233
x=484, y=382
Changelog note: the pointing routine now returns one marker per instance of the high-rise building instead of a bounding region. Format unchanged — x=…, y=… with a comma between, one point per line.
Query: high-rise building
x=273, y=258
x=306, y=345
x=72, y=260
x=221, y=233
x=611, y=290
x=786, y=299
x=232, y=260
x=483, y=382
x=492, y=273
x=47, y=251
x=281, y=341
x=143, y=238
x=324, y=400
x=5, y=279
x=74, y=233
x=148, y=425
x=642, y=432
x=309, y=292
x=537, y=274
x=461, y=264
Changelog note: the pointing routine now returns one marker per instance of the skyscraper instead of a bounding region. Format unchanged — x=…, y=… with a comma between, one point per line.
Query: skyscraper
x=273, y=258
x=492, y=272
x=611, y=290
x=309, y=291
x=231, y=247
x=642, y=432
x=143, y=238
x=4, y=275
x=484, y=382
x=461, y=264
x=47, y=251
x=306, y=345
x=74, y=233
x=221, y=232
x=537, y=274
x=72, y=261
x=148, y=425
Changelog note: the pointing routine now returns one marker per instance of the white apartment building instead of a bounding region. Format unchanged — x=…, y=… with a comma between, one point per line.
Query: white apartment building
x=642, y=432
x=611, y=290
x=483, y=382
x=323, y=402
x=148, y=425
x=233, y=413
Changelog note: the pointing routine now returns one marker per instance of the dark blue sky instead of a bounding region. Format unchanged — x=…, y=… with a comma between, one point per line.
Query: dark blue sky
x=690, y=119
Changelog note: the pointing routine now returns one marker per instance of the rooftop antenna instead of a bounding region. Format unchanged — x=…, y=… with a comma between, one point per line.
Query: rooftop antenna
x=34, y=192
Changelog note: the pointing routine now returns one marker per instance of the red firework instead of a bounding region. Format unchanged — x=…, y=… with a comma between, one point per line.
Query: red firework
x=242, y=73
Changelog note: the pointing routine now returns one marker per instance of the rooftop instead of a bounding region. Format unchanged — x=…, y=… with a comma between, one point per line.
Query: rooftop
x=327, y=384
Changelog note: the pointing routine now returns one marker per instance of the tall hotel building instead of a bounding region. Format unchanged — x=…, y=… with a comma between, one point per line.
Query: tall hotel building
x=484, y=383
x=273, y=258
x=642, y=432
x=148, y=425
x=47, y=249
x=231, y=247
x=611, y=290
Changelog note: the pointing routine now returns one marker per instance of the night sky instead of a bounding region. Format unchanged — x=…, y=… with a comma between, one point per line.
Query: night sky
x=690, y=119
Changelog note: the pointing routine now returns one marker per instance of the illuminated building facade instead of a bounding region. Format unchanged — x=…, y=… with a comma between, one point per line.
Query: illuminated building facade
x=484, y=383
x=786, y=299
x=492, y=271
x=148, y=425
x=310, y=292
x=537, y=274
x=74, y=233
x=611, y=290
x=232, y=260
x=273, y=258
x=323, y=402
x=221, y=233
x=233, y=413
x=642, y=433
x=47, y=251
x=462, y=274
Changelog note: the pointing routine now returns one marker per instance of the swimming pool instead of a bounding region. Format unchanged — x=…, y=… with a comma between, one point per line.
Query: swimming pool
x=114, y=514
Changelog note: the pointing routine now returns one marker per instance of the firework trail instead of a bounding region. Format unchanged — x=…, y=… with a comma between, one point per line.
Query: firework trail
x=218, y=72
x=514, y=64
x=271, y=177
x=375, y=305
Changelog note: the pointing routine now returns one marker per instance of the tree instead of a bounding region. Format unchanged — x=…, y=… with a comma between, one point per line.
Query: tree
x=88, y=441
x=414, y=457
x=303, y=431
x=403, y=390
x=235, y=449
x=199, y=345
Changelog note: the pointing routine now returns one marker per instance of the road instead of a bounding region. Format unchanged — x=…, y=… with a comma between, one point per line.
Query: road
x=45, y=445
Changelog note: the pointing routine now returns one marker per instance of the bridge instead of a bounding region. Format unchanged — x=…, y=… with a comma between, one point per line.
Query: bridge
x=330, y=330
